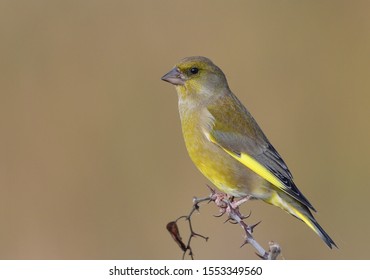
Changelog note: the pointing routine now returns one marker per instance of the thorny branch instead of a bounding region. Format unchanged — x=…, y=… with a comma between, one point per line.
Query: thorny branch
x=228, y=205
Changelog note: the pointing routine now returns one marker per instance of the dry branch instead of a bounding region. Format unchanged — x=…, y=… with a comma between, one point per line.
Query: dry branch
x=226, y=205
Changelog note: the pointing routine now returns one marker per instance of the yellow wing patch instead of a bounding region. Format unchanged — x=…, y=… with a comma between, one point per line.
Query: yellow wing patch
x=258, y=168
x=252, y=164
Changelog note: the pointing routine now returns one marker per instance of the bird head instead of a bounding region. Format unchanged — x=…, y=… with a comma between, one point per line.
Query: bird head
x=196, y=77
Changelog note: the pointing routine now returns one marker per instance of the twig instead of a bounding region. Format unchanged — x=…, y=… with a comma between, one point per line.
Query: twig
x=176, y=234
x=226, y=204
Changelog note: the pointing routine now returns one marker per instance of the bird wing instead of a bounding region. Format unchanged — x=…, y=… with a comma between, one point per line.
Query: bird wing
x=240, y=136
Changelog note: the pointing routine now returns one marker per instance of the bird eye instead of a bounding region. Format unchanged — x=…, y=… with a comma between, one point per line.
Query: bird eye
x=194, y=70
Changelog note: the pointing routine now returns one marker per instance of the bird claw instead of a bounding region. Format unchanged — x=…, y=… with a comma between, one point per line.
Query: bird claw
x=219, y=215
x=247, y=216
x=232, y=222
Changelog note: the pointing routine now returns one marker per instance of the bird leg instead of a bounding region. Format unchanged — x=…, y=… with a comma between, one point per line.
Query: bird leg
x=227, y=204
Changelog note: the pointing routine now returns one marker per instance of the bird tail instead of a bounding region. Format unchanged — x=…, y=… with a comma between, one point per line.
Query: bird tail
x=301, y=212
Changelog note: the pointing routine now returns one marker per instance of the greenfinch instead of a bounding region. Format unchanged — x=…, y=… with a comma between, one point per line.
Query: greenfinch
x=227, y=145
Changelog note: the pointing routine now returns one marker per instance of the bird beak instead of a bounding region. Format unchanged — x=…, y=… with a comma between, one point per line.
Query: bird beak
x=174, y=77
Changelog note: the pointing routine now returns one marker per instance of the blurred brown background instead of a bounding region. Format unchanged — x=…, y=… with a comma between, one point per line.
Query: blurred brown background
x=92, y=161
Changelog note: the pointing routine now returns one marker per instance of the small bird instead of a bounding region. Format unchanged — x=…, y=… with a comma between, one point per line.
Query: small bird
x=227, y=145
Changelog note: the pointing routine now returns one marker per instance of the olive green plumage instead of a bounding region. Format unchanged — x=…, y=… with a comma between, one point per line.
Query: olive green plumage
x=227, y=145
